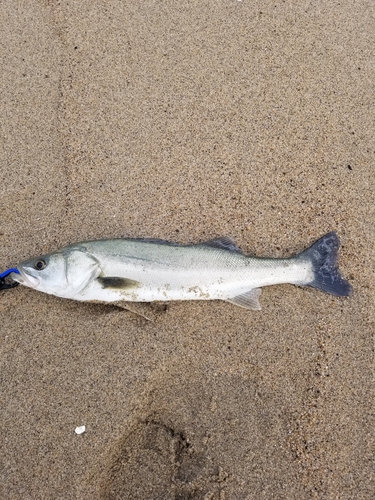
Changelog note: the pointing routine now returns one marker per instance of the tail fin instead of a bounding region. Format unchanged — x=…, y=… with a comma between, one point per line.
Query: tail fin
x=323, y=256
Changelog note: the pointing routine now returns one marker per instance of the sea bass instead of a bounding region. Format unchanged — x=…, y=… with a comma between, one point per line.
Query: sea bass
x=146, y=270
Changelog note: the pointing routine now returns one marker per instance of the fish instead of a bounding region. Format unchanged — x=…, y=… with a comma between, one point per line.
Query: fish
x=147, y=270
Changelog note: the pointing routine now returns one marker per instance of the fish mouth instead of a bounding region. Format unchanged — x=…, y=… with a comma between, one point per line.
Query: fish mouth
x=24, y=278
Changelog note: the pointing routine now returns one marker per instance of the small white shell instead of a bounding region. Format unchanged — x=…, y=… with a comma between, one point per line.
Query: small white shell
x=80, y=430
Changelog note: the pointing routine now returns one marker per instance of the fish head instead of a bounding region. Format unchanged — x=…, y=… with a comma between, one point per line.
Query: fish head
x=64, y=273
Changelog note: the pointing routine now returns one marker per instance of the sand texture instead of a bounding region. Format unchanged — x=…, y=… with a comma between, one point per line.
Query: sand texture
x=188, y=121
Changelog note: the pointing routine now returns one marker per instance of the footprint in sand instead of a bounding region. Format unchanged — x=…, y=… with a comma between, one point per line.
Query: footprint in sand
x=156, y=461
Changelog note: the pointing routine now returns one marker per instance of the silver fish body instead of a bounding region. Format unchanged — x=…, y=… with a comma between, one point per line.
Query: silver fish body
x=154, y=270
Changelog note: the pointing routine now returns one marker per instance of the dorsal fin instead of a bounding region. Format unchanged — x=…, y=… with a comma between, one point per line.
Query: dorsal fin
x=158, y=241
x=225, y=243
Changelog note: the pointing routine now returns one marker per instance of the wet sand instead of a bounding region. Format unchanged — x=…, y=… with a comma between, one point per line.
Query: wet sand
x=187, y=122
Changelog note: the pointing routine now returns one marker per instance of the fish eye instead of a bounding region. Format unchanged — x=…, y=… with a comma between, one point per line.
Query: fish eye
x=40, y=264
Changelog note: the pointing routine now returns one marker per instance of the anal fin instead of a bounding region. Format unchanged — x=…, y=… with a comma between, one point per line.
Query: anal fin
x=248, y=300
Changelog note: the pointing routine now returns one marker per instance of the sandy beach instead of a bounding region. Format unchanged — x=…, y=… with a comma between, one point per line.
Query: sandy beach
x=188, y=121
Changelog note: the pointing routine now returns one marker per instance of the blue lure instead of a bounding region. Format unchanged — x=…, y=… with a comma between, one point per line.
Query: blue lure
x=3, y=284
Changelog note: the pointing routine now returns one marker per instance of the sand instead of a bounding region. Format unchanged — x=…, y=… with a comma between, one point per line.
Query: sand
x=188, y=121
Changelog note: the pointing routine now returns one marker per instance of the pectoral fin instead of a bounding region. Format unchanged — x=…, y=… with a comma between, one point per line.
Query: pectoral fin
x=248, y=300
x=115, y=283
